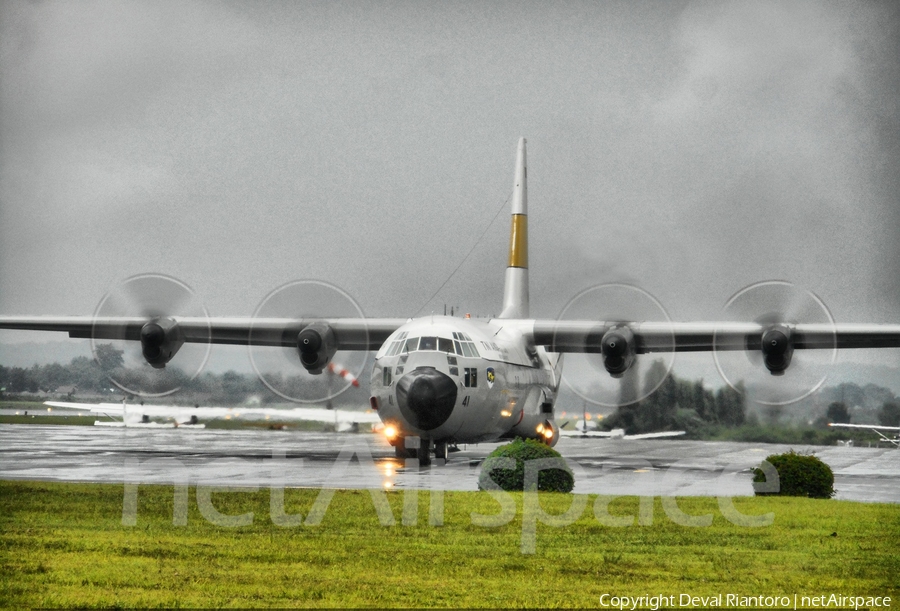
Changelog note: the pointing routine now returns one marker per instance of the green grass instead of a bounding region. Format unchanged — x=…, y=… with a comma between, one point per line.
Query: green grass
x=64, y=545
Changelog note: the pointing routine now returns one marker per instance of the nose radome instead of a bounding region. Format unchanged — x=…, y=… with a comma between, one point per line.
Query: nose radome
x=426, y=397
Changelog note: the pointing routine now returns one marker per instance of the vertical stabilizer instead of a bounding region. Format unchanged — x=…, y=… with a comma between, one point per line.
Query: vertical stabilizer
x=515, y=290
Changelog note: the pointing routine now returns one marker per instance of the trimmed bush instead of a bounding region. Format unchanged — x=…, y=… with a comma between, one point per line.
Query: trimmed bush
x=798, y=475
x=549, y=480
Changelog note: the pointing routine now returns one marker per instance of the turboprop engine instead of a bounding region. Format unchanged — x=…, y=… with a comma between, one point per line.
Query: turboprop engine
x=160, y=340
x=617, y=347
x=536, y=426
x=316, y=345
x=777, y=349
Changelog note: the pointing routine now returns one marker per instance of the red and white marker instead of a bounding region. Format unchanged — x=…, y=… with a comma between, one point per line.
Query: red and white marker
x=339, y=370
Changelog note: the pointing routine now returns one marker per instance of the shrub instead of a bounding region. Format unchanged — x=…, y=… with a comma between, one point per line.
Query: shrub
x=549, y=480
x=798, y=475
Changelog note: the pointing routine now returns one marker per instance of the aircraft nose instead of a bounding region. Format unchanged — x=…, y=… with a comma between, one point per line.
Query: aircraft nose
x=426, y=397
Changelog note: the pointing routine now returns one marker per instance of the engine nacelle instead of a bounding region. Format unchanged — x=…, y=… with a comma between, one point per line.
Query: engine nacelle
x=617, y=347
x=316, y=345
x=777, y=349
x=548, y=432
x=535, y=426
x=160, y=340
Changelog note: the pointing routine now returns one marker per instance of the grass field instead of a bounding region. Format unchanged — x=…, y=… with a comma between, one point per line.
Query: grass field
x=65, y=545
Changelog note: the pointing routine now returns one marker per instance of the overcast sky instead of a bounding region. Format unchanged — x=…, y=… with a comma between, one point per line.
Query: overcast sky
x=688, y=148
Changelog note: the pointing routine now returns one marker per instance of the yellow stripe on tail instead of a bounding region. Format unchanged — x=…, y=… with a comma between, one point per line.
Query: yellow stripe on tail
x=515, y=289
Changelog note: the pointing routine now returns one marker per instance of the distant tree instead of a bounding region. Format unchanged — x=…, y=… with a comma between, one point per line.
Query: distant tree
x=87, y=375
x=658, y=410
x=53, y=375
x=889, y=414
x=702, y=402
x=773, y=414
x=851, y=394
x=730, y=404
x=838, y=412
x=21, y=380
x=108, y=357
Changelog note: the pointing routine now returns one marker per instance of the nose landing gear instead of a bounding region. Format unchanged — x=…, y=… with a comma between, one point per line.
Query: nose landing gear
x=423, y=450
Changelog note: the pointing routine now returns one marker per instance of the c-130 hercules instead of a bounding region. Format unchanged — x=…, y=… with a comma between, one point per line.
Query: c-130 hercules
x=448, y=380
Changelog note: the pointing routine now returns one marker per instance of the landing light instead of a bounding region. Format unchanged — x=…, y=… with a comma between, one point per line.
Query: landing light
x=390, y=431
x=548, y=433
x=540, y=428
x=506, y=413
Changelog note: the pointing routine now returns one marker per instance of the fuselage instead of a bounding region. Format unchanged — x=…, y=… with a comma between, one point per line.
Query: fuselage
x=462, y=380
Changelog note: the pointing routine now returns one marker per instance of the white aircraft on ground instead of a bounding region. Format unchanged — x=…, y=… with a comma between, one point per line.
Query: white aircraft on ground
x=584, y=431
x=441, y=380
x=189, y=417
x=587, y=428
x=875, y=428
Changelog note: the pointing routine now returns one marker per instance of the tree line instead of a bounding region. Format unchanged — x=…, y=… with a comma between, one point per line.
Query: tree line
x=89, y=378
x=679, y=404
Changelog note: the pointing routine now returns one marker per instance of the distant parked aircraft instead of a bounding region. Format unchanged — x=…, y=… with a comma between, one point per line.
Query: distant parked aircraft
x=179, y=416
x=875, y=428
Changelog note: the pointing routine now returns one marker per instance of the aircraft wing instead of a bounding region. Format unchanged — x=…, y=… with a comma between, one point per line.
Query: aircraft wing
x=586, y=336
x=576, y=433
x=555, y=335
x=614, y=435
x=656, y=435
x=105, y=408
x=349, y=333
x=314, y=414
x=868, y=427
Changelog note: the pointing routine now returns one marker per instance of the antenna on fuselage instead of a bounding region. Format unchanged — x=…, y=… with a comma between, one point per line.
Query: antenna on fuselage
x=515, y=288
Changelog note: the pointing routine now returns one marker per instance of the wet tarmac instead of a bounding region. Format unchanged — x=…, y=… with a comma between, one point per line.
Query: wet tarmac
x=654, y=467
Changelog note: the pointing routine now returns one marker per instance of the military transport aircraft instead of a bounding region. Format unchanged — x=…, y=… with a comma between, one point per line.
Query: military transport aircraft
x=440, y=380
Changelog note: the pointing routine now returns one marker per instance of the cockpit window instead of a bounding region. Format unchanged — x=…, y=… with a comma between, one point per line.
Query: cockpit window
x=411, y=344
x=445, y=345
x=428, y=343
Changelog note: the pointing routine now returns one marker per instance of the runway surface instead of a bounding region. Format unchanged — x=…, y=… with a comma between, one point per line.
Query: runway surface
x=661, y=467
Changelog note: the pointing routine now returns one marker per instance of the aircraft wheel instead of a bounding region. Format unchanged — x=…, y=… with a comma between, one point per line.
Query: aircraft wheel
x=440, y=450
x=402, y=452
x=424, y=453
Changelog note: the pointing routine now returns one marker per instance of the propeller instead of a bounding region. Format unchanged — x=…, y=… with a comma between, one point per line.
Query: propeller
x=292, y=371
x=772, y=371
x=143, y=368
x=611, y=374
